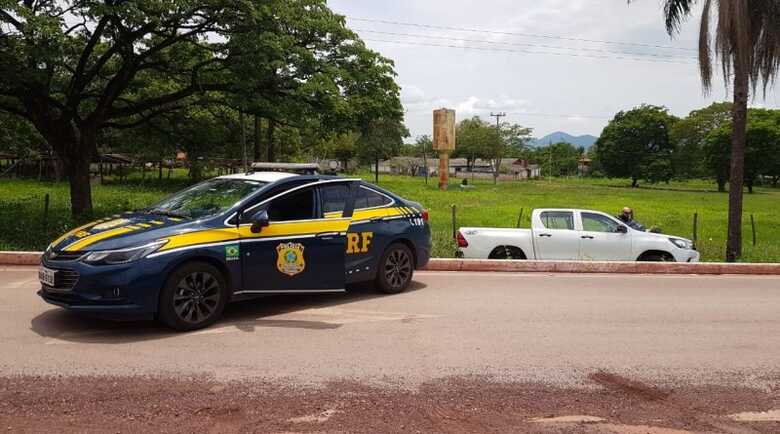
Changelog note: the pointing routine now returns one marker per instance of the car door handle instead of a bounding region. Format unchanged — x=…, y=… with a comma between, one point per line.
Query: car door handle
x=587, y=237
x=545, y=235
x=327, y=235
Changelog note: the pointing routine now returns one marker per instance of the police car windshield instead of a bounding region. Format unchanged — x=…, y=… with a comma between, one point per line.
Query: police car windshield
x=206, y=199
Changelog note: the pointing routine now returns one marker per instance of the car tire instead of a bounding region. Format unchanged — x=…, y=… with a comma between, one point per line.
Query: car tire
x=507, y=252
x=656, y=257
x=396, y=268
x=194, y=297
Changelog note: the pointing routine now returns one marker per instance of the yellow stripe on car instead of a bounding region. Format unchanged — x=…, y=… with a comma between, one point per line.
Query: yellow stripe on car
x=274, y=230
x=73, y=232
x=92, y=239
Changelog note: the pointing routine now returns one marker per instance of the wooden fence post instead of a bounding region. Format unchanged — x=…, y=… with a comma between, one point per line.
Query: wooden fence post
x=695, y=228
x=454, y=223
x=46, y=213
x=753, y=225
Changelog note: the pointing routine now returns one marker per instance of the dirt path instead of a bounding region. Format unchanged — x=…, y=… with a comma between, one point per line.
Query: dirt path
x=609, y=404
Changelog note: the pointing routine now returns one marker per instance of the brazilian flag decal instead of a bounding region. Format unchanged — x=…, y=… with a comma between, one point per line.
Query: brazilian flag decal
x=232, y=252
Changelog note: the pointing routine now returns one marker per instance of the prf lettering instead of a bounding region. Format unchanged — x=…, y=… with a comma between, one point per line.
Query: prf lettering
x=358, y=243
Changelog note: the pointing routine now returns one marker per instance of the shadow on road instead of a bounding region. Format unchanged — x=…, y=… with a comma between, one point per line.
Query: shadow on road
x=247, y=316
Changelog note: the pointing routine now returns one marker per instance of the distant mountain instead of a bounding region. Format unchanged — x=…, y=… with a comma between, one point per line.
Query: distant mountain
x=586, y=141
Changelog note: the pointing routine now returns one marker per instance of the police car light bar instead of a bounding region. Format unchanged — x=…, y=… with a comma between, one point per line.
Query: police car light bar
x=299, y=168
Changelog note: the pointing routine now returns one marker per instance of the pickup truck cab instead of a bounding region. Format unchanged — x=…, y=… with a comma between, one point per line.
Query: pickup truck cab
x=571, y=235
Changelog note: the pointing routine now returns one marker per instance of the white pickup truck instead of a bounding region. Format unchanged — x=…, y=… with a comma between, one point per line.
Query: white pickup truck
x=571, y=235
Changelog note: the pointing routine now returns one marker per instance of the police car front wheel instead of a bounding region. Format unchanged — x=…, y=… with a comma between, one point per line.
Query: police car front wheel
x=194, y=297
x=395, y=269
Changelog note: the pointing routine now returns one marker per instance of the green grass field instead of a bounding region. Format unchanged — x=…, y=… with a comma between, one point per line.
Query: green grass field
x=668, y=206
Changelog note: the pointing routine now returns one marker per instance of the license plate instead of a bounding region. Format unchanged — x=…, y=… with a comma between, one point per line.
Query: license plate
x=46, y=276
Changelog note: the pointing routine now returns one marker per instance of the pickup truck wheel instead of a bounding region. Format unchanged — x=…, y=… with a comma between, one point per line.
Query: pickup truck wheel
x=396, y=268
x=507, y=252
x=656, y=257
x=194, y=297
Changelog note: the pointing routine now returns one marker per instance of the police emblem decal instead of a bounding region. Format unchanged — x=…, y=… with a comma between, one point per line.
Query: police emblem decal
x=289, y=258
x=232, y=252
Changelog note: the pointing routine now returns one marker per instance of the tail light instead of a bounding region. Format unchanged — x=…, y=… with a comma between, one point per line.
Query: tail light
x=461, y=240
x=425, y=215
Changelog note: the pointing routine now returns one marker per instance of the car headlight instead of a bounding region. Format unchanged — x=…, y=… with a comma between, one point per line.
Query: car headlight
x=123, y=256
x=683, y=244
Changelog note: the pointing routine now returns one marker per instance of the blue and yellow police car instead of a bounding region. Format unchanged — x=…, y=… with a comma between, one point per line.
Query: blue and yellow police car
x=236, y=237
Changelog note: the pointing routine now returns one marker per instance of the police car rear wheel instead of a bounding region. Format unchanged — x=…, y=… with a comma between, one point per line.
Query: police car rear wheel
x=396, y=269
x=194, y=297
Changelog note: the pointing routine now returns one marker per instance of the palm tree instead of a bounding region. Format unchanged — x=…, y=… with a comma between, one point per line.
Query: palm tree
x=747, y=44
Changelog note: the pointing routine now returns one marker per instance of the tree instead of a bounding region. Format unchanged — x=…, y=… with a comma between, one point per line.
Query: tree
x=516, y=138
x=476, y=138
x=73, y=68
x=380, y=140
x=761, y=147
x=19, y=137
x=555, y=159
x=747, y=44
x=690, y=138
x=635, y=144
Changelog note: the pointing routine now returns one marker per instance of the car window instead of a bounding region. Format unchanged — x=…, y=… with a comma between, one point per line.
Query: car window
x=334, y=197
x=598, y=223
x=207, y=199
x=298, y=205
x=366, y=198
x=558, y=220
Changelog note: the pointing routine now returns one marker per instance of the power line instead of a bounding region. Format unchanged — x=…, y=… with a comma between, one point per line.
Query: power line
x=550, y=53
x=527, y=35
x=561, y=115
x=556, y=47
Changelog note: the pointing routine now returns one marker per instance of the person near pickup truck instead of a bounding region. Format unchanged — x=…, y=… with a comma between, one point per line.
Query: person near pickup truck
x=627, y=217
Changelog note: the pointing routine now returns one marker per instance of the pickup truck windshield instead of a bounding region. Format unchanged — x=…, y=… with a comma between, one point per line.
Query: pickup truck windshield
x=206, y=199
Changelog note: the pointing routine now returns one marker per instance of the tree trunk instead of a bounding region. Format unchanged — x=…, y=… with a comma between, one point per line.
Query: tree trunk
x=738, y=138
x=74, y=148
x=634, y=182
x=258, y=138
x=269, y=133
x=77, y=170
x=721, y=185
x=376, y=171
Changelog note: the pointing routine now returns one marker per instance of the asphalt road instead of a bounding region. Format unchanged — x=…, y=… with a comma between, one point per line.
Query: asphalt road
x=556, y=329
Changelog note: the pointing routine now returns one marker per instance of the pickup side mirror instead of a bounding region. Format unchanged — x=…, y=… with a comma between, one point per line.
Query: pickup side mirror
x=259, y=220
x=622, y=229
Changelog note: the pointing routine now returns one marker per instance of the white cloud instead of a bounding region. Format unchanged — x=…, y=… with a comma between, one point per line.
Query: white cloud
x=579, y=88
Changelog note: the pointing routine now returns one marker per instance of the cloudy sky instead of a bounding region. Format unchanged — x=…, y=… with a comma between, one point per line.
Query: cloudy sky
x=592, y=58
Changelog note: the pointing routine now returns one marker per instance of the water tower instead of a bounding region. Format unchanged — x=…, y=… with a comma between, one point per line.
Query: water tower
x=444, y=141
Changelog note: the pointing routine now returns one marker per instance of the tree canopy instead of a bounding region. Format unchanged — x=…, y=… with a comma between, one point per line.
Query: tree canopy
x=74, y=68
x=636, y=144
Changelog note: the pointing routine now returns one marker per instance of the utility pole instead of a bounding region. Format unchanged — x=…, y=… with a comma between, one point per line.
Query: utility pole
x=550, y=171
x=497, y=164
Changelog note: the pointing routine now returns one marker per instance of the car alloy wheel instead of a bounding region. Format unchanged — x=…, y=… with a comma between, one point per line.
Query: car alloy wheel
x=197, y=297
x=398, y=268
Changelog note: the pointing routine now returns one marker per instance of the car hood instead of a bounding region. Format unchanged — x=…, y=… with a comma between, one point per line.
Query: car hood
x=654, y=235
x=120, y=231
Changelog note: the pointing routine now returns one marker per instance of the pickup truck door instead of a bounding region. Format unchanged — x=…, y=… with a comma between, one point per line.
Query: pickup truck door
x=602, y=239
x=555, y=236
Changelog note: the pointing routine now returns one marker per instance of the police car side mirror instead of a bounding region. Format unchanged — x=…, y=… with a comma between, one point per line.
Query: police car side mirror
x=259, y=221
x=622, y=229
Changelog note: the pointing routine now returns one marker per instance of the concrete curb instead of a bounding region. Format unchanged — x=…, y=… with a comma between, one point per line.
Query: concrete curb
x=444, y=264
x=20, y=258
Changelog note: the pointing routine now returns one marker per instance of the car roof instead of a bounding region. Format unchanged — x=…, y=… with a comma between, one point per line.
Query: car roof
x=260, y=176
